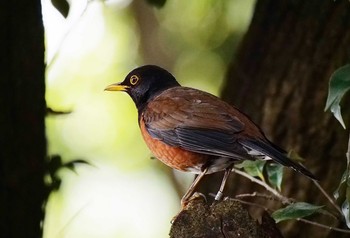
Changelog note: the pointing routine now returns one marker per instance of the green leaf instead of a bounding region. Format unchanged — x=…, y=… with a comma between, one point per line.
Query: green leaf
x=345, y=208
x=340, y=190
x=342, y=193
x=294, y=211
x=339, y=84
x=275, y=175
x=253, y=168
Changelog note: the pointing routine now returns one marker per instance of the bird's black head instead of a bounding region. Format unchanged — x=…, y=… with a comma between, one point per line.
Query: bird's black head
x=144, y=83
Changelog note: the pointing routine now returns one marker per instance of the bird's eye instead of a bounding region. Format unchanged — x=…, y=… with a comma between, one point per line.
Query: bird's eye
x=134, y=79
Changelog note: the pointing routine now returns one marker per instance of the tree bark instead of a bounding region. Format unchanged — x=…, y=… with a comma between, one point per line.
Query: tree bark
x=22, y=111
x=225, y=219
x=280, y=78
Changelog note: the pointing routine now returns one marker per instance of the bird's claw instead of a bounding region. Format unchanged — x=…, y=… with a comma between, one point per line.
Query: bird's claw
x=195, y=196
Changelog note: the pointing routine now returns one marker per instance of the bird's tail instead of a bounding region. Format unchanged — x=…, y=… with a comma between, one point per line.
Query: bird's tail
x=276, y=154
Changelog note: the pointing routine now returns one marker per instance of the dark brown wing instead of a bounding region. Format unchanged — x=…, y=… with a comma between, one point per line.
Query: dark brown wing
x=195, y=121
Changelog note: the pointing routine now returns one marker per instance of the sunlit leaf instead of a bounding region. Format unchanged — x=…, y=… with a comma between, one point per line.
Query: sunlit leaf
x=275, y=175
x=339, y=84
x=294, y=211
x=253, y=168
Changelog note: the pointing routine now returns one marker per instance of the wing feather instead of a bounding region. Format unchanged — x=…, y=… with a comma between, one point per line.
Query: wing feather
x=197, y=121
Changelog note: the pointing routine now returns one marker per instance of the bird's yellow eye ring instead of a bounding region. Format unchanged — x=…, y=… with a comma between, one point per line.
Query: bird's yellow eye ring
x=134, y=79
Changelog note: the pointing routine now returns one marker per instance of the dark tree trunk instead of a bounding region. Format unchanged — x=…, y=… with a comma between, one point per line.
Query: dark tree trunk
x=280, y=78
x=22, y=111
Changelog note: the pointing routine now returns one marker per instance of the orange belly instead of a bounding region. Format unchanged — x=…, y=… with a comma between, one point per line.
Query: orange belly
x=174, y=157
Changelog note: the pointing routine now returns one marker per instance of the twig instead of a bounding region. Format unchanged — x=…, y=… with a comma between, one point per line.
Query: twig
x=251, y=204
x=327, y=196
x=323, y=226
x=279, y=196
x=298, y=219
x=282, y=198
x=256, y=194
x=286, y=200
x=331, y=201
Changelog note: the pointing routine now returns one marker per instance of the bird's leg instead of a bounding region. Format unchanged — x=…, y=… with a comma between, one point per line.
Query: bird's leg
x=192, y=188
x=220, y=193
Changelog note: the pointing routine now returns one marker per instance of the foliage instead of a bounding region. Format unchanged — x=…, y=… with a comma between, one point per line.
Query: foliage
x=274, y=175
x=339, y=84
x=256, y=169
x=295, y=211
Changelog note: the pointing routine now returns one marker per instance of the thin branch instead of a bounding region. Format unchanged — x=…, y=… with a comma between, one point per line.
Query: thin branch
x=323, y=226
x=256, y=194
x=280, y=197
x=251, y=204
x=328, y=197
x=298, y=219
x=331, y=201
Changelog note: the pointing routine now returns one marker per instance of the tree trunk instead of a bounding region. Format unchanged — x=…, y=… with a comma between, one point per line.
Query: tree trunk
x=280, y=78
x=22, y=111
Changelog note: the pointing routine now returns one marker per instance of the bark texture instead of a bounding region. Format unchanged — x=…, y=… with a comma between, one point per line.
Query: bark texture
x=22, y=111
x=226, y=219
x=280, y=78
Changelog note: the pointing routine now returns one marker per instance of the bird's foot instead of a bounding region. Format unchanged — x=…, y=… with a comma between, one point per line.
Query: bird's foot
x=195, y=196
x=219, y=196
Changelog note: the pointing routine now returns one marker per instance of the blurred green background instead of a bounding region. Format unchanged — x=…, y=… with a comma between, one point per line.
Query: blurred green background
x=124, y=193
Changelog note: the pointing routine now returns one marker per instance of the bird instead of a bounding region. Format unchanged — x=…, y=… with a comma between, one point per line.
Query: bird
x=194, y=131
